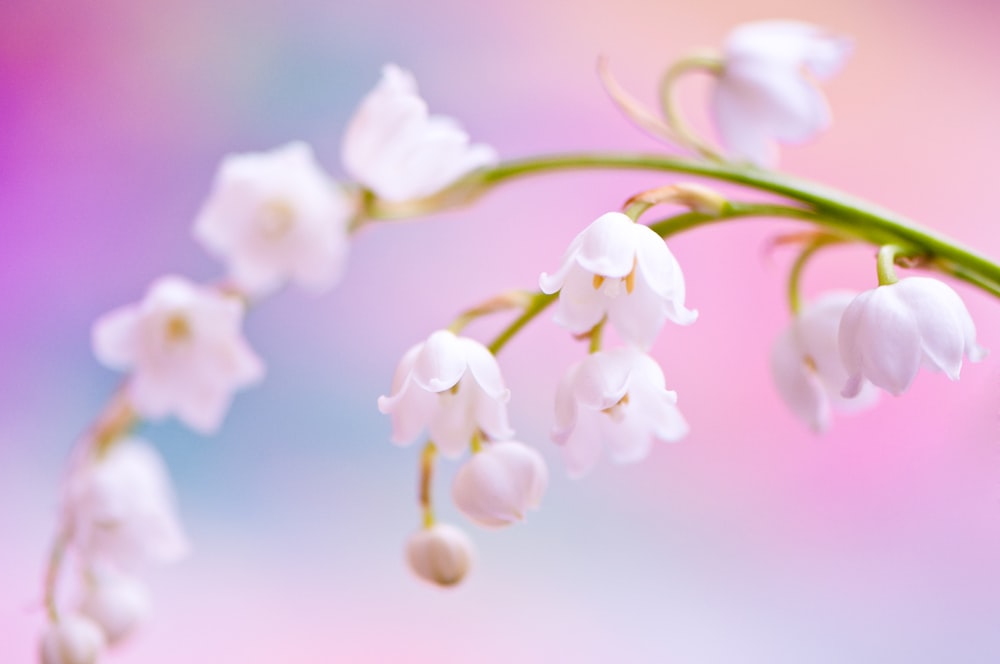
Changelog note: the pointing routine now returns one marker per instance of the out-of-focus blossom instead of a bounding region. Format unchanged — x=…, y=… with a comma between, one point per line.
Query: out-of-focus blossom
x=120, y=509
x=395, y=149
x=441, y=554
x=767, y=90
x=500, y=483
x=185, y=349
x=72, y=640
x=618, y=398
x=623, y=270
x=452, y=386
x=805, y=363
x=275, y=217
x=117, y=603
x=889, y=332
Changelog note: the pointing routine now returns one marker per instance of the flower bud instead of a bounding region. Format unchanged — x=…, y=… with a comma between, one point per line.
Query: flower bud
x=499, y=484
x=73, y=640
x=118, y=604
x=441, y=554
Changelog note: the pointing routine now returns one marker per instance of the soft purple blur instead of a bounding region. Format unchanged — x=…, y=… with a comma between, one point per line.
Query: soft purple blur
x=750, y=541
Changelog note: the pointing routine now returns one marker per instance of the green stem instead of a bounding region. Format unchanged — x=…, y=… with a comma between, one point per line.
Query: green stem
x=886, y=264
x=709, y=63
x=795, y=274
x=539, y=303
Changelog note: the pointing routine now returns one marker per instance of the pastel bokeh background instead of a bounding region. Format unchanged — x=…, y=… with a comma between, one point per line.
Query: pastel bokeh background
x=750, y=541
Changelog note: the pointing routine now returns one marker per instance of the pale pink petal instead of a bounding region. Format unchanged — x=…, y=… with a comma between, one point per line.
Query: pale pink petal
x=113, y=338
x=483, y=365
x=498, y=485
x=639, y=316
x=552, y=283
x=580, y=306
x=608, y=248
x=941, y=320
x=581, y=445
x=602, y=380
x=880, y=341
x=797, y=384
x=411, y=408
x=440, y=363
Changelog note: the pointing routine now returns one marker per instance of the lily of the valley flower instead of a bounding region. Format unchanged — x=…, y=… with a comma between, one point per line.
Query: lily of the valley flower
x=888, y=333
x=805, y=363
x=395, y=149
x=618, y=398
x=623, y=270
x=275, y=217
x=767, y=92
x=118, y=603
x=185, y=349
x=452, y=386
x=120, y=509
x=73, y=639
x=500, y=483
x=441, y=554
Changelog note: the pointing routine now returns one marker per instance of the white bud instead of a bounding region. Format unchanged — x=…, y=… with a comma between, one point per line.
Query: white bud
x=118, y=604
x=441, y=554
x=73, y=640
x=499, y=484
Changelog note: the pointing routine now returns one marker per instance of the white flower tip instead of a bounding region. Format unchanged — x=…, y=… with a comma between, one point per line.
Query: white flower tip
x=73, y=640
x=853, y=387
x=977, y=353
x=441, y=554
x=499, y=484
x=118, y=604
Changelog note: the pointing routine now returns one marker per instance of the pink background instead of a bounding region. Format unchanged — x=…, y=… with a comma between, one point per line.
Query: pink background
x=750, y=541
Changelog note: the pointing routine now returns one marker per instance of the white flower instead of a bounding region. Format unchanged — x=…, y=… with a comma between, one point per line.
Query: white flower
x=276, y=216
x=120, y=509
x=887, y=333
x=616, y=397
x=500, y=483
x=625, y=271
x=451, y=385
x=805, y=363
x=394, y=148
x=441, y=554
x=72, y=640
x=185, y=349
x=767, y=92
x=117, y=603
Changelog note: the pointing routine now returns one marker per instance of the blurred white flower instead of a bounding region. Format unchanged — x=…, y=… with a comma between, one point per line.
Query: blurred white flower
x=118, y=603
x=618, y=397
x=395, y=149
x=185, y=349
x=805, y=363
x=889, y=332
x=767, y=90
x=120, y=509
x=72, y=640
x=451, y=385
x=275, y=217
x=500, y=483
x=623, y=270
x=441, y=554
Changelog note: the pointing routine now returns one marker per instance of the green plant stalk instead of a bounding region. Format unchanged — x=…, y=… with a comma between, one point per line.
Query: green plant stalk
x=828, y=206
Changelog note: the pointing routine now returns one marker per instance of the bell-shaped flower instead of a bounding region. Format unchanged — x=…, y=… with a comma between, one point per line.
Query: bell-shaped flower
x=441, y=554
x=805, y=363
x=275, y=217
x=185, y=349
x=398, y=151
x=452, y=386
x=623, y=270
x=500, y=483
x=766, y=92
x=120, y=509
x=889, y=332
x=73, y=639
x=118, y=603
x=618, y=398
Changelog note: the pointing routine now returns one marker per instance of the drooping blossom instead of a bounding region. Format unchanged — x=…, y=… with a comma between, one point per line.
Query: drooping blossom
x=618, y=398
x=452, y=386
x=441, y=554
x=275, y=217
x=889, y=332
x=185, y=349
x=120, y=509
x=117, y=602
x=767, y=93
x=499, y=484
x=397, y=150
x=74, y=639
x=623, y=270
x=806, y=365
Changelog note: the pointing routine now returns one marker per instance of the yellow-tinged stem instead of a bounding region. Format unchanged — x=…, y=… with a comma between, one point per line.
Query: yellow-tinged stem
x=426, y=475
